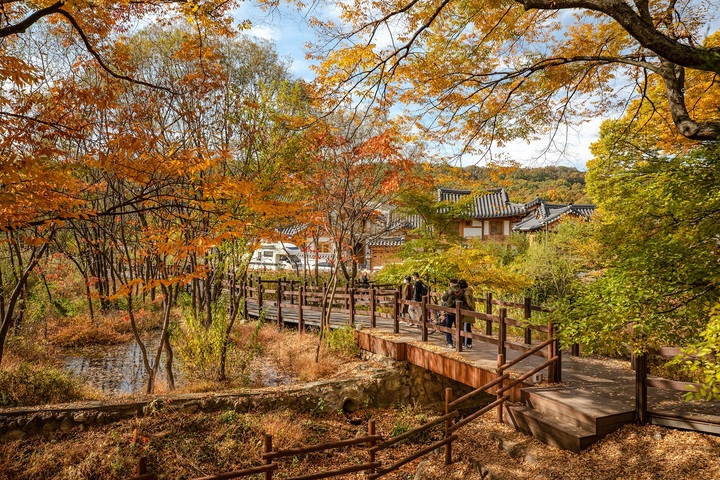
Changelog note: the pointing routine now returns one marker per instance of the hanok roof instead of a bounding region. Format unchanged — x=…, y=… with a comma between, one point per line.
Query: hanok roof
x=550, y=213
x=387, y=242
x=495, y=204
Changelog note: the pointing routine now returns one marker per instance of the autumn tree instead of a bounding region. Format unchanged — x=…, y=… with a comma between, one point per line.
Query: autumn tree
x=485, y=73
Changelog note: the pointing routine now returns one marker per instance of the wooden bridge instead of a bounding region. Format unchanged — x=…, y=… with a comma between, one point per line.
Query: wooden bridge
x=563, y=399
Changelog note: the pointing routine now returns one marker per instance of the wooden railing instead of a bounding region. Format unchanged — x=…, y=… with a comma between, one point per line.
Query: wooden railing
x=642, y=382
x=370, y=302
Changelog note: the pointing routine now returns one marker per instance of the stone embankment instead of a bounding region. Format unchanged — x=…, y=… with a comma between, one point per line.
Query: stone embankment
x=378, y=383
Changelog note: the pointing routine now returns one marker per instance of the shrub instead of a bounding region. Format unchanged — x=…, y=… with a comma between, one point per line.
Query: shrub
x=28, y=385
x=342, y=341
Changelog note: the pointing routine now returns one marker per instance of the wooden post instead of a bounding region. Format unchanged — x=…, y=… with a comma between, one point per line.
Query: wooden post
x=371, y=432
x=372, y=307
x=528, y=312
x=246, y=296
x=260, y=296
x=292, y=289
x=488, y=310
x=458, y=328
x=352, y=307
x=347, y=301
x=301, y=320
x=500, y=372
x=641, y=409
x=279, y=306
x=267, y=449
x=423, y=319
x=551, y=353
x=448, y=424
x=142, y=466
x=396, y=312
x=575, y=350
x=502, y=333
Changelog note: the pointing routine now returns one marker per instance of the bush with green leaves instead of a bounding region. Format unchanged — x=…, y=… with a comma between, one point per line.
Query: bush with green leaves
x=342, y=341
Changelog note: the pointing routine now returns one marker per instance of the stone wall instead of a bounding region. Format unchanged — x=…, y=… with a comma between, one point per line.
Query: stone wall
x=379, y=383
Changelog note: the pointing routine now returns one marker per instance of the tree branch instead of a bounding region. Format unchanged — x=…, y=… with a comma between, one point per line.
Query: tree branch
x=697, y=58
x=23, y=25
x=99, y=59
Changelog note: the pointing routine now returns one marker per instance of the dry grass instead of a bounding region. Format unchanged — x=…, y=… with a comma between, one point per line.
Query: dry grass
x=186, y=446
x=293, y=354
x=80, y=331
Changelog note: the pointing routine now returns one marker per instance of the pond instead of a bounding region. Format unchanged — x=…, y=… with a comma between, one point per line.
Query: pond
x=119, y=369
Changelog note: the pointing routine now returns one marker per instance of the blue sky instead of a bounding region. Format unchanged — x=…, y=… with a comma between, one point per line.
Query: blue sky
x=287, y=29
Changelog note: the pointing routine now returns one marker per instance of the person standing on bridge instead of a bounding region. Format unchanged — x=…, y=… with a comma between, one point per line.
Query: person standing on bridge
x=407, y=294
x=419, y=291
x=468, y=303
x=449, y=298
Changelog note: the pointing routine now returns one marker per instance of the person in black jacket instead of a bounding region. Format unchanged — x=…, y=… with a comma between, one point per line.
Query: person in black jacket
x=419, y=290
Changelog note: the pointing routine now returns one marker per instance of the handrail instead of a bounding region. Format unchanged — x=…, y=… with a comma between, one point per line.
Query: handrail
x=320, y=447
x=478, y=390
x=414, y=431
x=414, y=456
x=482, y=411
x=339, y=471
x=241, y=473
x=527, y=354
x=529, y=374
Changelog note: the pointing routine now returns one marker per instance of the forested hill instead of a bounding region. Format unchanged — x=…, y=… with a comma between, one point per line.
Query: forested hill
x=552, y=184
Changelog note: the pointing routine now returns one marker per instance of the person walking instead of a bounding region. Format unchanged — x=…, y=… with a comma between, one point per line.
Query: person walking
x=407, y=294
x=468, y=303
x=449, y=299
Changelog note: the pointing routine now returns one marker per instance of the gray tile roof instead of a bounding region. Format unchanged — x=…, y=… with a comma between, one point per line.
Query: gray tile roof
x=495, y=204
x=550, y=213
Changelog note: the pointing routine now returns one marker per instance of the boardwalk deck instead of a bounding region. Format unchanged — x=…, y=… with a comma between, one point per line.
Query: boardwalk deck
x=609, y=379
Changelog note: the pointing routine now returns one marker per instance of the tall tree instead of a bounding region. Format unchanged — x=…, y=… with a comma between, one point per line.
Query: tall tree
x=485, y=71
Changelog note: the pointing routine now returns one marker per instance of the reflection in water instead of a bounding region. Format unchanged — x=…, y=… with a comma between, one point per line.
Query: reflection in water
x=119, y=369
x=115, y=368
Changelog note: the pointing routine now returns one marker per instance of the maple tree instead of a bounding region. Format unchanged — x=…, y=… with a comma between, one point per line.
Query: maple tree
x=482, y=71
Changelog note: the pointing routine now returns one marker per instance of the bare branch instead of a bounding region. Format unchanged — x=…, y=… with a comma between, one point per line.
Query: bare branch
x=99, y=59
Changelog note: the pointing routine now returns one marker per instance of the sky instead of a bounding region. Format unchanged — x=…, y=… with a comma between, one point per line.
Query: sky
x=287, y=29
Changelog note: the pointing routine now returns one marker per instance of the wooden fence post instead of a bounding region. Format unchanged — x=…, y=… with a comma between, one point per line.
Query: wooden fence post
x=301, y=320
x=502, y=333
x=347, y=301
x=528, y=313
x=488, y=310
x=279, y=306
x=246, y=296
x=641, y=409
x=448, y=424
x=260, y=296
x=458, y=328
x=423, y=318
x=352, y=307
x=371, y=432
x=396, y=312
x=292, y=289
x=500, y=372
x=268, y=448
x=142, y=466
x=372, y=307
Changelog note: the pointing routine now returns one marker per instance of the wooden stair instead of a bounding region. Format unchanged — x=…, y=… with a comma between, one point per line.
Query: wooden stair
x=567, y=418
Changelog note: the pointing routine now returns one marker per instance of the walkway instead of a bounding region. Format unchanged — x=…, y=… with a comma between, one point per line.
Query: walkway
x=613, y=379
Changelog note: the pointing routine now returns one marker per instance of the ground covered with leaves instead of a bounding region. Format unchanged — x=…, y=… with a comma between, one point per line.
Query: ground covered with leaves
x=180, y=446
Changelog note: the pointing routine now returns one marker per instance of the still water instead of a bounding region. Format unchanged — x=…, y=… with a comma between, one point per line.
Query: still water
x=119, y=369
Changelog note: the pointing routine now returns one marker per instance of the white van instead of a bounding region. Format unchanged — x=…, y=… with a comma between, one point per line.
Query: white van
x=276, y=256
